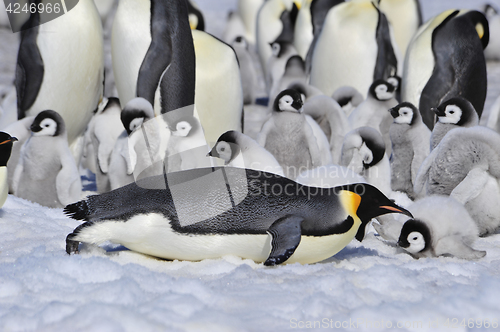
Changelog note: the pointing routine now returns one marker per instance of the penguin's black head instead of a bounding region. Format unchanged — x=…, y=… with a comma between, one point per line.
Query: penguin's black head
x=196, y=20
x=375, y=143
x=226, y=147
x=288, y=100
x=135, y=113
x=367, y=202
x=415, y=236
x=381, y=90
x=295, y=65
x=395, y=81
x=279, y=48
x=6, y=143
x=185, y=126
x=48, y=123
x=405, y=113
x=457, y=111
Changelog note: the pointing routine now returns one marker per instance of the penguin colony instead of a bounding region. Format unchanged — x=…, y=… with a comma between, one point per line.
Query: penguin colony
x=188, y=153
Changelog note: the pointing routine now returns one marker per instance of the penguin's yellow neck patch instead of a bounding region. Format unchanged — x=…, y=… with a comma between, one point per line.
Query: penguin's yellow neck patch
x=480, y=30
x=298, y=3
x=350, y=201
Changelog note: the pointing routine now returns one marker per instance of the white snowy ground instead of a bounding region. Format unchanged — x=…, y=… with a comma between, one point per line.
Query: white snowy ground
x=366, y=287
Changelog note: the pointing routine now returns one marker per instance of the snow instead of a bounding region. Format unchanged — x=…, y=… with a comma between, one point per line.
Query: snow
x=368, y=286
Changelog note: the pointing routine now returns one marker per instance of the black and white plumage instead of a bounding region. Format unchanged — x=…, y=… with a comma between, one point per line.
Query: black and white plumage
x=466, y=166
x=445, y=59
x=410, y=146
x=348, y=98
x=239, y=150
x=46, y=172
x=363, y=151
x=6, y=144
x=57, y=71
x=211, y=212
x=453, y=113
x=441, y=226
x=373, y=111
x=288, y=135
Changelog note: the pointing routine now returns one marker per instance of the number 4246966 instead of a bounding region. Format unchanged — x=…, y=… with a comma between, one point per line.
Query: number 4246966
x=33, y=8
x=471, y=323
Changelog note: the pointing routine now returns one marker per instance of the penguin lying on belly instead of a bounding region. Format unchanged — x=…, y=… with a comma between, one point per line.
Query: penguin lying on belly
x=212, y=212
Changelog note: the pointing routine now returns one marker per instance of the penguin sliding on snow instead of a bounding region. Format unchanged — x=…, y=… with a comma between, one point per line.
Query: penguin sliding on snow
x=47, y=173
x=441, y=226
x=212, y=212
x=445, y=59
x=6, y=143
x=57, y=71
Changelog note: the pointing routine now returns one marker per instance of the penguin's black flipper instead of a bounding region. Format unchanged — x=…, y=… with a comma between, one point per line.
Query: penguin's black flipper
x=285, y=233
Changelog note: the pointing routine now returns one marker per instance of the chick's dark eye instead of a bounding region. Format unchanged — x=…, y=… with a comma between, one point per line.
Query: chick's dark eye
x=46, y=125
x=452, y=112
x=415, y=238
x=223, y=149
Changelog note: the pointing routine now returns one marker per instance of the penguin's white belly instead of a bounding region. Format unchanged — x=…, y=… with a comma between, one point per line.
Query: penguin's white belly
x=484, y=209
x=4, y=187
x=152, y=234
x=73, y=67
x=131, y=37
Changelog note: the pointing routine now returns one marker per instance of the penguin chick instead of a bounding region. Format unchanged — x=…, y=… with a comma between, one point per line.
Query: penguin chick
x=363, y=151
x=441, y=226
x=294, y=73
x=466, y=166
x=348, y=98
x=100, y=138
x=453, y=113
x=239, y=150
x=46, y=172
x=372, y=112
x=187, y=147
x=282, y=52
x=409, y=137
x=288, y=136
x=6, y=144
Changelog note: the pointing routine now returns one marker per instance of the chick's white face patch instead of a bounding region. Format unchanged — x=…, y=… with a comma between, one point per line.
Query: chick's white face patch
x=49, y=128
x=405, y=115
x=417, y=242
x=453, y=115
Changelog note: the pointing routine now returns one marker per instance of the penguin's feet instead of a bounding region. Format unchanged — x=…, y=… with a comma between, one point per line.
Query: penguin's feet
x=72, y=245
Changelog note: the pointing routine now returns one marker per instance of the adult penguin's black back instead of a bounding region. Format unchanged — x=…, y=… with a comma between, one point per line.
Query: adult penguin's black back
x=460, y=66
x=170, y=54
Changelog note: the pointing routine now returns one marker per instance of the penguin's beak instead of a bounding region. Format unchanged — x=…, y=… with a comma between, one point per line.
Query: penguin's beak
x=438, y=111
x=12, y=139
x=35, y=128
x=213, y=153
x=394, y=112
x=396, y=209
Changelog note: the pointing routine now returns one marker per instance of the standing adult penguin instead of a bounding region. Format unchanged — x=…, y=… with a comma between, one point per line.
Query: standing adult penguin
x=405, y=16
x=453, y=113
x=6, y=143
x=410, y=146
x=57, y=71
x=340, y=60
x=445, y=59
x=47, y=173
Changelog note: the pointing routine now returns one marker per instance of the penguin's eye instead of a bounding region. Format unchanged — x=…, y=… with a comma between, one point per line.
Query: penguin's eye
x=223, y=149
x=452, y=112
x=415, y=238
x=46, y=125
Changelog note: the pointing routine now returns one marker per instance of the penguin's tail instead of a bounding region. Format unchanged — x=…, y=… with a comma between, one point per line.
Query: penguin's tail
x=78, y=210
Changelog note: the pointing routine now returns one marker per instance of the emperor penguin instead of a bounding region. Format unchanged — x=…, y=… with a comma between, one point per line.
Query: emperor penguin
x=441, y=226
x=348, y=98
x=239, y=150
x=211, y=212
x=288, y=135
x=309, y=22
x=294, y=73
x=363, y=151
x=492, y=52
x=466, y=166
x=234, y=28
x=405, y=17
x=100, y=138
x=195, y=16
x=410, y=146
x=248, y=11
x=248, y=72
x=340, y=60
x=46, y=172
x=445, y=59
x=373, y=111
x=57, y=71
x=331, y=119
x=453, y=113
x=269, y=26
x=6, y=143
x=21, y=130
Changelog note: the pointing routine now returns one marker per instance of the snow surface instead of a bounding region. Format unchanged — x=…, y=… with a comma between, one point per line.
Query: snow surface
x=368, y=286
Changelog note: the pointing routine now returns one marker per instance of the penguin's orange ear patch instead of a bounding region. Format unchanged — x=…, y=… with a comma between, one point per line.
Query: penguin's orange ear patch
x=480, y=30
